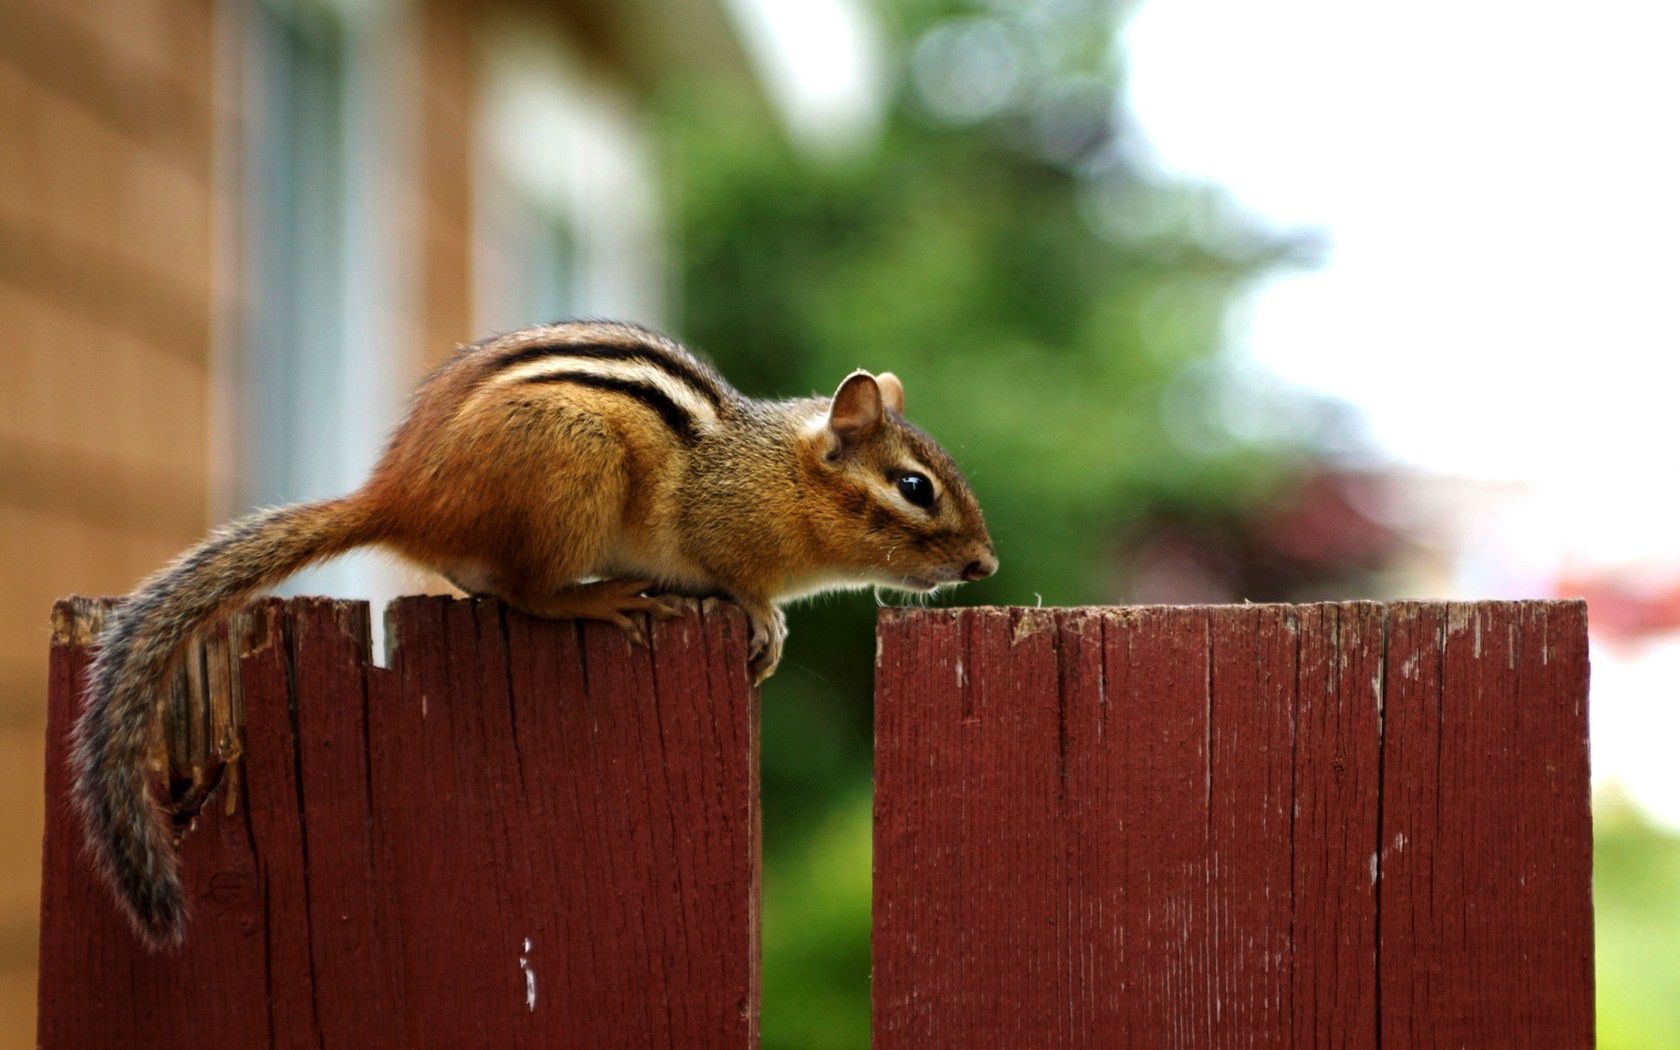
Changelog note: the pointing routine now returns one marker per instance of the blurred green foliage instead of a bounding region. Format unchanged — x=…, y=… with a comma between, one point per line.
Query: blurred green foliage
x=1056, y=315
x=1043, y=303
x=1034, y=344
x=1636, y=903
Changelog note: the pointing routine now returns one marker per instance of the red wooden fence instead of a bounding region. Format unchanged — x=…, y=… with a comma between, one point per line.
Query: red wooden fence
x=522, y=833
x=1351, y=825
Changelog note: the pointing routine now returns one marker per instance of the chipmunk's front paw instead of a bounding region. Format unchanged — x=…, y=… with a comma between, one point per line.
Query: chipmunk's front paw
x=764, y=649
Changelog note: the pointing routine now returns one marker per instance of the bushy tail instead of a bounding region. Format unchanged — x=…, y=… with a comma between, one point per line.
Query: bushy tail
x=127, y=831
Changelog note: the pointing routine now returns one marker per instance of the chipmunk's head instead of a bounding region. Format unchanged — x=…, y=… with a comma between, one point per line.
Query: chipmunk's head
x=903, y=514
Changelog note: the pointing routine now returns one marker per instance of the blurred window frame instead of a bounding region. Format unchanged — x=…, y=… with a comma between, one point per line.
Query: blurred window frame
x=315, y=366
x=566, y=212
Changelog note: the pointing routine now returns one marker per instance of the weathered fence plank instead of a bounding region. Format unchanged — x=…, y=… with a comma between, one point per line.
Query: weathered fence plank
x=1337, y=746
x=1486, y=834
x=1340, y=825
x=521, y=833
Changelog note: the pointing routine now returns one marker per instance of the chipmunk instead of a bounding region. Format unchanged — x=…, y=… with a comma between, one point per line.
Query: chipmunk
x=575, y=470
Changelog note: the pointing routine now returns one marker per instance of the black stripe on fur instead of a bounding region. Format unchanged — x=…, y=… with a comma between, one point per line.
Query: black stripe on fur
x=674, y=415
x=683, y=370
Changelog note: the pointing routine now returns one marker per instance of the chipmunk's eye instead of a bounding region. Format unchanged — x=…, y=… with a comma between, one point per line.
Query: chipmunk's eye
x=916, y=488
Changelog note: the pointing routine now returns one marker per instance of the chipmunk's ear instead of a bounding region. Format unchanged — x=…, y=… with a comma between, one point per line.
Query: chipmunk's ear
x=855, y=412
x=892, y=391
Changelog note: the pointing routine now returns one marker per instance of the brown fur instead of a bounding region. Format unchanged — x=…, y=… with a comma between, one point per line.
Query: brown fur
x=522, y=471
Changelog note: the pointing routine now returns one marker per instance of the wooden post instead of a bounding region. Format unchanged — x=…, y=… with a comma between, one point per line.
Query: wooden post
x=521, y=833
x=1350, y=825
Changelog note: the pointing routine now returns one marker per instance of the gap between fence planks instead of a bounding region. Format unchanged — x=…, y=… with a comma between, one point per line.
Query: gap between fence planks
x=1353, y=825
x=520, y=833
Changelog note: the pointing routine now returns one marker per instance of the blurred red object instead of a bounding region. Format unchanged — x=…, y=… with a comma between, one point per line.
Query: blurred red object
x=1316, y=537
x=1628, y=603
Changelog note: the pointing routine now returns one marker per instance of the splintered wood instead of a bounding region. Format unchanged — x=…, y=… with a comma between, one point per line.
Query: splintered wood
x=1324, y=825
x=521, y=833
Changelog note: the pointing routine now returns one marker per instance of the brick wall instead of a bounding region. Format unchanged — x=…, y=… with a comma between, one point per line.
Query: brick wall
x=107, y=117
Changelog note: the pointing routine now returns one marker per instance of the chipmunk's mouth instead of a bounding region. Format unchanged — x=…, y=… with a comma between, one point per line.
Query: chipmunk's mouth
x=940, y=577
x=914, y=584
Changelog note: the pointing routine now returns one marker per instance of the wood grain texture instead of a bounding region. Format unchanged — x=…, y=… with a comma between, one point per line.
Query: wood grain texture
x=520, y=833
x=1486, y=828
x=1323, y=825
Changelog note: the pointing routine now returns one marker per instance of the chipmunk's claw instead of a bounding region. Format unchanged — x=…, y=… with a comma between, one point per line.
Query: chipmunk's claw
x=764, y=649
x=662, y=608
x=611, y=601
x=631, y=600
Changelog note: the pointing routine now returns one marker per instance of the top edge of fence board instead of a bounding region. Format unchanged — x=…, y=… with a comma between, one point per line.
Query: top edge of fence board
x=889, y=614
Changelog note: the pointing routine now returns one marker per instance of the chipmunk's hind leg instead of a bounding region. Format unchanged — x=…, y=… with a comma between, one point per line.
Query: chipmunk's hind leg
x=611, y=601
x=467, y=583
x=563, y=488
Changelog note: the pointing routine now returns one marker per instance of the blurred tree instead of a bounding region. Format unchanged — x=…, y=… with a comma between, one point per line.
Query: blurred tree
x=1053, y=311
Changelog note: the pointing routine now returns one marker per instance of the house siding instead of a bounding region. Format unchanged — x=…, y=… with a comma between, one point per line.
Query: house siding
x=106, y=304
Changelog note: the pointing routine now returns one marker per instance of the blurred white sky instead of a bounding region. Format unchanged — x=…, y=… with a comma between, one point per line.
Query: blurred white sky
x=1498, y=185
x=822, y=62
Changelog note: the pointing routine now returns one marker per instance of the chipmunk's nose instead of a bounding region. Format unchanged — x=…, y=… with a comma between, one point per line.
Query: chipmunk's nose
x=981, y=567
